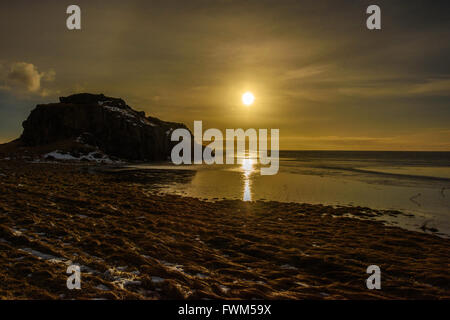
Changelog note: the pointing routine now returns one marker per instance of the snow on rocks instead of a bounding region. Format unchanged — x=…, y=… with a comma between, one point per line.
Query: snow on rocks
x=139, y=118
x=95, y=156
x=60, y=156
x=102, y=287
x=157, y=279
x=45, y=256
x=96, y=121
x=121, y=278
x=123, y=112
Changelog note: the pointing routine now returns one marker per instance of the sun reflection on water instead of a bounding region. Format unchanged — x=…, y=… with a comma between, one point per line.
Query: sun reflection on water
x=247, y=169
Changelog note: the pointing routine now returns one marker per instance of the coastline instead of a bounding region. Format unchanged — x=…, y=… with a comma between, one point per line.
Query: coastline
x=136, y=244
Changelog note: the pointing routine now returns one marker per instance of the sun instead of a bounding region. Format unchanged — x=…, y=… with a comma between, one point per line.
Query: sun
x=248, y=98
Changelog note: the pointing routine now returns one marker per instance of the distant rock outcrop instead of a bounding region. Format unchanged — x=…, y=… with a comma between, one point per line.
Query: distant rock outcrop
x=106, y=123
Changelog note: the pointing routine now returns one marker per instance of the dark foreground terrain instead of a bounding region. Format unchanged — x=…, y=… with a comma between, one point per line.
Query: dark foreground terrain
x=134, y=244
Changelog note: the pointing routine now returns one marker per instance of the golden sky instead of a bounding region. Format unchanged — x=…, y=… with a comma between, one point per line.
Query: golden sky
x=316, y=72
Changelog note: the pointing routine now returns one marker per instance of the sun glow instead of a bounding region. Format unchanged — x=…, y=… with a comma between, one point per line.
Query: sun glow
x=248, y=98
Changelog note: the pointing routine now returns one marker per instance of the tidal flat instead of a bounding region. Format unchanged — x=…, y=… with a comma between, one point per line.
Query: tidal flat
x=133, y=243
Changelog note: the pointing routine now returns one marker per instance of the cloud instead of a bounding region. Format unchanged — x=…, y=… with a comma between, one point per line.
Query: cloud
x=24, y=74
x=306, y=72
x=49, y=75
x=431, y=87
x=430, y=139
x=25, y=77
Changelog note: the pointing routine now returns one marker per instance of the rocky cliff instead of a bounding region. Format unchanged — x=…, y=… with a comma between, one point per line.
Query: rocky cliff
x=106, y=123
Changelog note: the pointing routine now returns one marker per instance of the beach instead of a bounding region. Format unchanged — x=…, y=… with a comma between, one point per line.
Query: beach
x=135, y=243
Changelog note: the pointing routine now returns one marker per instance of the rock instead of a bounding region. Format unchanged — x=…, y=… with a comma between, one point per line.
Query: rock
x=106, y=123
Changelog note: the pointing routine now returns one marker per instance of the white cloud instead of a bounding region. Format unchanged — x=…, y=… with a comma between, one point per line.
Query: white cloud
x=25, y=77
x=24, y=74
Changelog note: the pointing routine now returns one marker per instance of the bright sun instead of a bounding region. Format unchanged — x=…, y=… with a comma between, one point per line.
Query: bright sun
x=248, y=98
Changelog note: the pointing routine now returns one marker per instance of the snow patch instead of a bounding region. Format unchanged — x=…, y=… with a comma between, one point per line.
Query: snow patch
x=128, y=113
x=173, y=266
x=288, y=267
x=45, y=256
x=122, y=279
x=224, y=289
x=16, y=232
x=102, y=287
x=148, y=123
x=123, y=112
x=95, y=156
x=60, y=156
x=157, y=279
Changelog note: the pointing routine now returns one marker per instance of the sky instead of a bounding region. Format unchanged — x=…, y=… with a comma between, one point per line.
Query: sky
x=317, y=73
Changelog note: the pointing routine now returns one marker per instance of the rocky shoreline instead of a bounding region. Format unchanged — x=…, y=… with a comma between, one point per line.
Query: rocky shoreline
x=132, y=243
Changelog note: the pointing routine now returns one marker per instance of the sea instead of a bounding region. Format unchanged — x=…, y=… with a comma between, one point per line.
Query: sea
x=416, y=183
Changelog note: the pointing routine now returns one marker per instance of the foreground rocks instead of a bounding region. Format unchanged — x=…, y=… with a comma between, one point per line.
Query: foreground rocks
x=106, y=124
x=132, y=243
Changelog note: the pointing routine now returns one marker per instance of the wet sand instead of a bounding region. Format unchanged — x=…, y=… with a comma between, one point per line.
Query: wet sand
x=132, y=243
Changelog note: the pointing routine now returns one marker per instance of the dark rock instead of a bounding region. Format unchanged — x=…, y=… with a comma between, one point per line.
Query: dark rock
x=100, y=121
x=89, y=98
x=87, y=138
